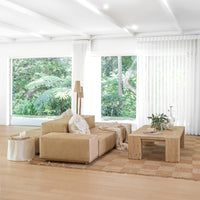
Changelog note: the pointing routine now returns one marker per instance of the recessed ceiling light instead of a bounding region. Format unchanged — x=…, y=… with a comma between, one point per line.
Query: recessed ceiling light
x=41, y=32
x=35, y=34
x=106, y=6
x=134, y=27
x=125, y=29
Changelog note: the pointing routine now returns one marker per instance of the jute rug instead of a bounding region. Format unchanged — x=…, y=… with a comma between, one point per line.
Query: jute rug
x=152, y=164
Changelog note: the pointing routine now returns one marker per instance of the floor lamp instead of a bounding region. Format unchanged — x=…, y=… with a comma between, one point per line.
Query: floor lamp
x=77, y=88
x=80, y=96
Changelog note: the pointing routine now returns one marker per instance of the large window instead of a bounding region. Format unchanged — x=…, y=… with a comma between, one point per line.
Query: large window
x=118, y=87
x=41, y=87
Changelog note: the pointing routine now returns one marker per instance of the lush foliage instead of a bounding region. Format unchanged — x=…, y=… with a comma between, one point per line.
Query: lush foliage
x=41, y=86
x=159, y=121
x=112, y=104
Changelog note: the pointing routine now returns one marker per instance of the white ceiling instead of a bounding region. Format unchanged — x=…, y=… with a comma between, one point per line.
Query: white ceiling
x=38, y=20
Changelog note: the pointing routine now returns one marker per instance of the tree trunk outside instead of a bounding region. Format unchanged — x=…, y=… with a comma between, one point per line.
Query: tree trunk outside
x=120, y=75
x=120, y=80
x=127, y=76
x=61, y=106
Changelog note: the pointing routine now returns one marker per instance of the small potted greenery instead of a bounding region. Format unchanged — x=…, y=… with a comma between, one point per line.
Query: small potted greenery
x=159, y=121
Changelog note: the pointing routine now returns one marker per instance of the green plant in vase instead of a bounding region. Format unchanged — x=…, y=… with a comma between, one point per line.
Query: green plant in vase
x=159, y=121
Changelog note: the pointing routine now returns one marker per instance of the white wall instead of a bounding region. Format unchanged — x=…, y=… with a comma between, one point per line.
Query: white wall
x=80, y=51
x=4, y=90
x=92, y=87
x=16, y=50
x=114, y=47
x=87, y=69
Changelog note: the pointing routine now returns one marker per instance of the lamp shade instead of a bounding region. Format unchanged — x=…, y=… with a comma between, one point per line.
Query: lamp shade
x=80, y=94
x=77, y=86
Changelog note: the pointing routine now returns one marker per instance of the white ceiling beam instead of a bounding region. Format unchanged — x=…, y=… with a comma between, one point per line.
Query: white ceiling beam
x=71, y=37
x=21, y=30
x=6, y=39
x=94, y=9
x=108, y=36
x=26, y=11
x=192, y=32
x=114, y=21
x=159, y=33
x=168, y=33
x=59, y=38
x=171, y=14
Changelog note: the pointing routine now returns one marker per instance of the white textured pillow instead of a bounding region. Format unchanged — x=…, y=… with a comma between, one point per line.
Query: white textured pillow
x=78, y=125
x=66, y=114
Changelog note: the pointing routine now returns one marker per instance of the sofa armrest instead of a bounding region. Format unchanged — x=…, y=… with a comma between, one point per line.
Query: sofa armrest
x=57, y=125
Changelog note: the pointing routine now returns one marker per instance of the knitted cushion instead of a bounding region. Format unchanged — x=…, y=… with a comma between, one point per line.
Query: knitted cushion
x=78, y=125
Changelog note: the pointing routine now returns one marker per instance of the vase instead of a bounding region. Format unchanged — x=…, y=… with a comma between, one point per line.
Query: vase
x=171, y=118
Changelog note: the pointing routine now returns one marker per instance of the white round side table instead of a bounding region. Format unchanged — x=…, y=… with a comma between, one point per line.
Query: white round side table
x=21, y=149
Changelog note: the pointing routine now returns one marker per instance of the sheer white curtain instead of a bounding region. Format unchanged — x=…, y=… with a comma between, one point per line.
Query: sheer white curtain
x=168, y=73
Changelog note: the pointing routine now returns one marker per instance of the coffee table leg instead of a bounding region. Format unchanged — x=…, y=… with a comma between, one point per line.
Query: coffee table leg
x=172, y=149
x=135, y=148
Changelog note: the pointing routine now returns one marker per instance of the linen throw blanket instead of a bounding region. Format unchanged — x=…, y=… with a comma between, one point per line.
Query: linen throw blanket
x=120, y=145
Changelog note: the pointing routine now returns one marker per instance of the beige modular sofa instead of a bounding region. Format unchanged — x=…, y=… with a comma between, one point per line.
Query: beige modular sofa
x=56, y=143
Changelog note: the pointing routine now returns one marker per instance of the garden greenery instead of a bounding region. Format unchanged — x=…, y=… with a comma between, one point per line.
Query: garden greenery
x=112, y=104
x=42, y=87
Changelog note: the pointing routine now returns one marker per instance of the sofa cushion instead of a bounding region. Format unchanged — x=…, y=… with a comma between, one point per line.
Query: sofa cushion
x=90, y=119
x=127, y=126
x=124, y=127
x=68, y=113
x=57, y=125
x=69, y=147
x=106, y=139
x=78, y=125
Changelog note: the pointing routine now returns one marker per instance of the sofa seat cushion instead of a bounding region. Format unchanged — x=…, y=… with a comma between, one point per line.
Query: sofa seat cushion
x=106, y=139
x=57, y=125
x=69, y=147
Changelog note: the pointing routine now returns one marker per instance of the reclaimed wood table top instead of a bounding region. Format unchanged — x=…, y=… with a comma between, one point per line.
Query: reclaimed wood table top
x=176, y=132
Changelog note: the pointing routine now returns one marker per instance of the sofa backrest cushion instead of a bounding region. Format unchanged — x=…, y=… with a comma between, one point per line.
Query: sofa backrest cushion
x=57, y=125
x=90, y=119
x=68, y=113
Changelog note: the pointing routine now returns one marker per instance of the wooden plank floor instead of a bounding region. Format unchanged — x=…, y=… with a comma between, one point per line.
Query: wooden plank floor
x=20, y=180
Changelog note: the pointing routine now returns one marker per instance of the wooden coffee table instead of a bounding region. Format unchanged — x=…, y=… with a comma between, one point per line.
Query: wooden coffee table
x=174, y=139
